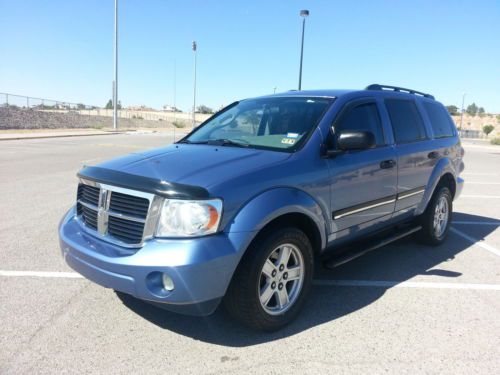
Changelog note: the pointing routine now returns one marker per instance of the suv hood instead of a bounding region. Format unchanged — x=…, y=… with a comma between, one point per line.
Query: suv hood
x=198, y=165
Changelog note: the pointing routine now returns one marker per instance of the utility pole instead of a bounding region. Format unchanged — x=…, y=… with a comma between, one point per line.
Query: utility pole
x=194, y=47
x=462, y=112
x=115, y=83
x=304, y=14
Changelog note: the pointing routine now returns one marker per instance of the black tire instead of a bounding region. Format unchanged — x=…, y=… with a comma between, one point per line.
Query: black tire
x=429, y=235
x=242, y=299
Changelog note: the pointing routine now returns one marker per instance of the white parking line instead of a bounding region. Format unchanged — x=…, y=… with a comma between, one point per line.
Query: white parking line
x=65, y=275
x=482, y=183
x=479, y=174
x=475, y=241
x=480, y=196
x=318, y=282
x=497, y=223
x=406, y=284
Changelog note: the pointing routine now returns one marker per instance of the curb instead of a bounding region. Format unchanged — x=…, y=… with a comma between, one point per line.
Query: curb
x=14, y=138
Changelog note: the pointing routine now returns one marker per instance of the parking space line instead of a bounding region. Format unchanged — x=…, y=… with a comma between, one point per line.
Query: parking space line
x=406, y=284
x=482, y=183
x=475, y=241
x=66, y=275
x=497, y=223
x=479, y=174
x=480, y=196
x=317, y=282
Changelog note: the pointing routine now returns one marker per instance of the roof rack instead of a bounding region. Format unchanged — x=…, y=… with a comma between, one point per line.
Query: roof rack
x=398, y=89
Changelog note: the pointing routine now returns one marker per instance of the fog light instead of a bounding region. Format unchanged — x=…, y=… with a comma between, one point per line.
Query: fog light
x=168, y=283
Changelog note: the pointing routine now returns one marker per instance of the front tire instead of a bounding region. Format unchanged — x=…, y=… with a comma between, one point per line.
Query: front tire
x=437, y=218
x=272, y=281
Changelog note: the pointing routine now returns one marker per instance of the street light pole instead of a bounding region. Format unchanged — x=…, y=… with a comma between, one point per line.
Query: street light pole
x=462, y=111
x=194, y=47
x=115, y=86
x=304, y=14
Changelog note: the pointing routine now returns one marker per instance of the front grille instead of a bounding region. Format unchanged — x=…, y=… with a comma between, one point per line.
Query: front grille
x=88, y=194
x=127, y=231
x=129, y=205
x=89, y=217
x=122, y=217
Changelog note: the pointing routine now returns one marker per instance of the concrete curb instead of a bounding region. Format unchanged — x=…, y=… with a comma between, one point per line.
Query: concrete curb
x=14, y=137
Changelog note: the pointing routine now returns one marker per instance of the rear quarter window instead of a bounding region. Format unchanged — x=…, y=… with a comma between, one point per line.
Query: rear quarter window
x=406, y=121
x=441, y=123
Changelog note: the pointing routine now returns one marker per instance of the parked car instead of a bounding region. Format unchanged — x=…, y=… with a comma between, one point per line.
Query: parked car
x=239, y=209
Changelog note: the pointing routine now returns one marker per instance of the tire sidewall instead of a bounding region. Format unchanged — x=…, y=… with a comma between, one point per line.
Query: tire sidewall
x=265, y=248
x=443, y=191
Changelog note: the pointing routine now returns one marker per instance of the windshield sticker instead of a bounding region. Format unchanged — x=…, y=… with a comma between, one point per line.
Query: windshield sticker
x=292, y=135
x=288, y=141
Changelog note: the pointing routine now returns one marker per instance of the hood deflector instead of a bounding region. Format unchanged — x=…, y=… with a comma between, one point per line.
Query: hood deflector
x=141, y=183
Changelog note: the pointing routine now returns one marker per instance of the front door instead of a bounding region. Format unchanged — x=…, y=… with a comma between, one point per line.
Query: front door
x=363, y=183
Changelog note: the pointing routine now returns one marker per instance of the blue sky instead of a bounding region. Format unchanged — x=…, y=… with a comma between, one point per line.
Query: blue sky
x=64, y=49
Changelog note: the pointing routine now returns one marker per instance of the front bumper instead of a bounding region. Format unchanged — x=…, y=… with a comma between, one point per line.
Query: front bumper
x=201, y=268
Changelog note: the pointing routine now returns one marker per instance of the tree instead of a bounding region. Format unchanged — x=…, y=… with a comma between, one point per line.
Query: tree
x=487, y=129
x=80, y=106
x=452, y=109
x=204, y=109
x=472, y=109
x=109, y=105
x=480, y=112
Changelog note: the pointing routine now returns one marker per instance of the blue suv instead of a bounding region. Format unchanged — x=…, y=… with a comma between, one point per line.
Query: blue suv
x=239, y=209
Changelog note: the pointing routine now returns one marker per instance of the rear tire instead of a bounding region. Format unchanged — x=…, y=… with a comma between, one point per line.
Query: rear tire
x=436, y=219
x=271, y=283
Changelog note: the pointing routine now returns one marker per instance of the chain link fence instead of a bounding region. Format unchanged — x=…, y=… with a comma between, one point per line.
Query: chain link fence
x=24, y=112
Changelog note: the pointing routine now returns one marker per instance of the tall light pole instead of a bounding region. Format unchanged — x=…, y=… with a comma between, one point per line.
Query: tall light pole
x=462, y=111
x=304, y=13
x=115, y=83
x=194, y=47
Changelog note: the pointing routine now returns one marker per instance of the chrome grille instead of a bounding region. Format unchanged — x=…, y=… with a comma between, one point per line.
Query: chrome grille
x=122, y=216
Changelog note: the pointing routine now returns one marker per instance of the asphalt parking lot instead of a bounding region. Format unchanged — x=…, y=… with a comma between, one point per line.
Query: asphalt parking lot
x=405, y=308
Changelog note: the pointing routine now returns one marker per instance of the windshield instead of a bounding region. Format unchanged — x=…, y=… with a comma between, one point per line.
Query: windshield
x=271, y=123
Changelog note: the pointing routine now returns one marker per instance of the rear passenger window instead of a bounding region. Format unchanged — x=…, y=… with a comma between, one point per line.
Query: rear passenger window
x=406, y=121
x=364, y=117
x=440, y=120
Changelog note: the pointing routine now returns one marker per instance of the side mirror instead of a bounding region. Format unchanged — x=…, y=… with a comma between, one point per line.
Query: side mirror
x=355, y=140
x=348, y=140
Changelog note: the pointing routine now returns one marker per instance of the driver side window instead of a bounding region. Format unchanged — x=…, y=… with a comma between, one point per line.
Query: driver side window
x=363, y=117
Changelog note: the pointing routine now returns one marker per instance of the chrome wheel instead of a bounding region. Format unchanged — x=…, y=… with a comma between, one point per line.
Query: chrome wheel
x=441, y=215
x=281, y=279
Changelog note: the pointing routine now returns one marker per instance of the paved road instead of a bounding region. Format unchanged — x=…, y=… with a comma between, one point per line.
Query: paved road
x=405, y=308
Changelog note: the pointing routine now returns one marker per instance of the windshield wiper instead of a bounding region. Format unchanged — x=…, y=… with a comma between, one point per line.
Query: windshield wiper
x=228, y=142
x=191, y=142
x=218, y=142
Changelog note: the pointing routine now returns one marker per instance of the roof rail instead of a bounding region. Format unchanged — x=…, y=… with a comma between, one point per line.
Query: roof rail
x=398, y=89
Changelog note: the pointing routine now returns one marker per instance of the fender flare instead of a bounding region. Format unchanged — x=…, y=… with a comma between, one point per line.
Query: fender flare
x=273, y=203
x=443, y=167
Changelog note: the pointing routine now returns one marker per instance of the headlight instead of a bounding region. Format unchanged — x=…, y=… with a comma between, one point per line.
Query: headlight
x=183, y=218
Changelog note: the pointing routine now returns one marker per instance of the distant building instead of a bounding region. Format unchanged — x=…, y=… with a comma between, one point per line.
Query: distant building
x=170, y=108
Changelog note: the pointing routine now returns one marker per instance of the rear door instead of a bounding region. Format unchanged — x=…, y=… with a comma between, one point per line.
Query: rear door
x=415, y=154
x=363, y=183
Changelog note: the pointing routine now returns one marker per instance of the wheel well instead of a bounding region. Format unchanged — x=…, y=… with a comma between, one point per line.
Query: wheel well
x=297, y=220
x=449, y=181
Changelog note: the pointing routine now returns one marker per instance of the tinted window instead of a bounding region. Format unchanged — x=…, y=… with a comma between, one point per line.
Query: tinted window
x=440, y=121
x=363, y=118
x=406, y=121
